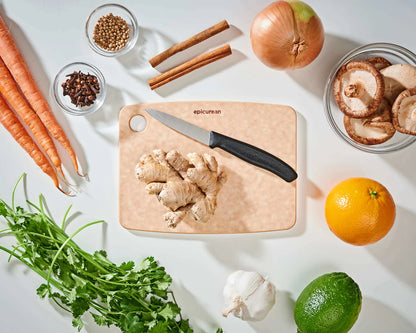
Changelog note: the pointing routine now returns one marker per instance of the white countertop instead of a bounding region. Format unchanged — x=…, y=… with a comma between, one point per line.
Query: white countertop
x=50, y=34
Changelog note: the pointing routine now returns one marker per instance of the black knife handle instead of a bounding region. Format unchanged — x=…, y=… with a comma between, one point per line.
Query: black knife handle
x=253, y=155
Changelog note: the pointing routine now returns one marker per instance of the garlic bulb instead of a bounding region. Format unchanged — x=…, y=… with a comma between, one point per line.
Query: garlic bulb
x=248, y=295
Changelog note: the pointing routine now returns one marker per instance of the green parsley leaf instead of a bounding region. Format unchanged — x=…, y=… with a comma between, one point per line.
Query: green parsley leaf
x=79, y=306
x=161, y=327
x=170, y=311
x=77, y=322
x=99, y=320
x=127, y=266
x=43, y=290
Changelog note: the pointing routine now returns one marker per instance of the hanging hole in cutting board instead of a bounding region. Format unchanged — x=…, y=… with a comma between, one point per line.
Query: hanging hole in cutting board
x=137, y=123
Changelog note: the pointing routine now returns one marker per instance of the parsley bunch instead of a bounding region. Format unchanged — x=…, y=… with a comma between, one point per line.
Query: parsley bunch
x=135, y=298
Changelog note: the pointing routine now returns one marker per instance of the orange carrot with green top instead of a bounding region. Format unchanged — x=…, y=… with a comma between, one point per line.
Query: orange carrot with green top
x=17, y=66
x=11, y=93
x=12, y=124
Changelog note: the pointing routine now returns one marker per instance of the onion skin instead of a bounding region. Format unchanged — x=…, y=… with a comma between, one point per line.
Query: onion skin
x=287, y=35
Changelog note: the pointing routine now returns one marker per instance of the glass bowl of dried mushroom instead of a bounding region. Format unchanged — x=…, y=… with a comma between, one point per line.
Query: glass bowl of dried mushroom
x=79, y=88
x=369, y=99
x=111, y=30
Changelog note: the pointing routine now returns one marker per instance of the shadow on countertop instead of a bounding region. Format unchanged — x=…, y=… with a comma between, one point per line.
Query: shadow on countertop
x=91, y=327
x=105, y=121
x=136, y=61
x=197, y=312
x=378, y=317
x=403, y=161
x=314, y=77
x=396, y=252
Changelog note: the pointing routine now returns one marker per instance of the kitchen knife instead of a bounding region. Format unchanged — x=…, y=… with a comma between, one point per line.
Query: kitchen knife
x=245, y=151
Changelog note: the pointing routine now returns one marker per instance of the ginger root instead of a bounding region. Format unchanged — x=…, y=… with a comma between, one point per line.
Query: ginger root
x=186, y=186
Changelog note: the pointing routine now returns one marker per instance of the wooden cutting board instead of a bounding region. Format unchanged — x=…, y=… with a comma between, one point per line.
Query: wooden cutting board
x=252, y=199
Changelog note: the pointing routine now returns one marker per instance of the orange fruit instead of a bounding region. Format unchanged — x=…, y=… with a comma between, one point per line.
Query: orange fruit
x=360, y=211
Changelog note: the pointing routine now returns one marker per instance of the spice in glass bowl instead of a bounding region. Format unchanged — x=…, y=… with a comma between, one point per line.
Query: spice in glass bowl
x=81, y=88
x=111, y=32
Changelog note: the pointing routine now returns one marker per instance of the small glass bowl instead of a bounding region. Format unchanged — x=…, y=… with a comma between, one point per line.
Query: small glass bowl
x=393, y=53
x=116, y=10
x=65, y=101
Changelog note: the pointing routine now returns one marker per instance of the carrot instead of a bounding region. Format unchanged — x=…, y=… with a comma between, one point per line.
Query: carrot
x=17, y=66
x=11, y=93
x=19, y=133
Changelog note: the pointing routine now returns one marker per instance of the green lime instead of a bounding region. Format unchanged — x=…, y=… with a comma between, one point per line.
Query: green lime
x=329, y=304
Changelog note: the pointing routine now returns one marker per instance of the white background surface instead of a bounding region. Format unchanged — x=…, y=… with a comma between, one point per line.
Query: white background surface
x=50, y=35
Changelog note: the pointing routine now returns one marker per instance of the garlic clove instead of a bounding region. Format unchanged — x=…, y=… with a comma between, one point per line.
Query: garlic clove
x=248, y=295
x=260, y=303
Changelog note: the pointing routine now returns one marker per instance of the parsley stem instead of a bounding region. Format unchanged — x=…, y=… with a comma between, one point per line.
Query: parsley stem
x=98, y=306
x=65, y=216
x=15, y=187
x=115, y=282
x=66, y=242
x=47, y=218
x=141, y=302
x=98, y=288
x=55, y=283
x=15, y=249
x=39, y=235
x=59, y=304
x=174, y=301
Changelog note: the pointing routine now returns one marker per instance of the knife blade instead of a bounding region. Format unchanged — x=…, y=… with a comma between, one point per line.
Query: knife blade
x=240, y=149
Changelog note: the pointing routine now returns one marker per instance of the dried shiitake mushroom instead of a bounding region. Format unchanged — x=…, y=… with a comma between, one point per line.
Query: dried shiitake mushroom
x=398, y=78
x=404, y=112
x=379, y=62
x=358, y=89
x=374, y=129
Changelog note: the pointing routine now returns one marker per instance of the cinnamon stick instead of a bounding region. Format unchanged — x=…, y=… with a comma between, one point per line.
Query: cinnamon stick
x=198, y=38
x=189, y=66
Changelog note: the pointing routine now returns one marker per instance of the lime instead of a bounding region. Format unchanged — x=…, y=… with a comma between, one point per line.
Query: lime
x=329, y=304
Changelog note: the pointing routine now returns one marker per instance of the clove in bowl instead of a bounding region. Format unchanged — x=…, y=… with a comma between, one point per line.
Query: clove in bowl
x=79, y=89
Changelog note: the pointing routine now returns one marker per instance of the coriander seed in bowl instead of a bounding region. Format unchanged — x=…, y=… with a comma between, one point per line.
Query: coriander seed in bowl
x=112, y=30
x=111, y=33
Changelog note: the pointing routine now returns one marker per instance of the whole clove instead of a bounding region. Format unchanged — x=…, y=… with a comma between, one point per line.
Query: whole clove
x=81, y=88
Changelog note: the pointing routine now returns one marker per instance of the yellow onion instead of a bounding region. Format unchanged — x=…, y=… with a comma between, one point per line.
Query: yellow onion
x=287, y=35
